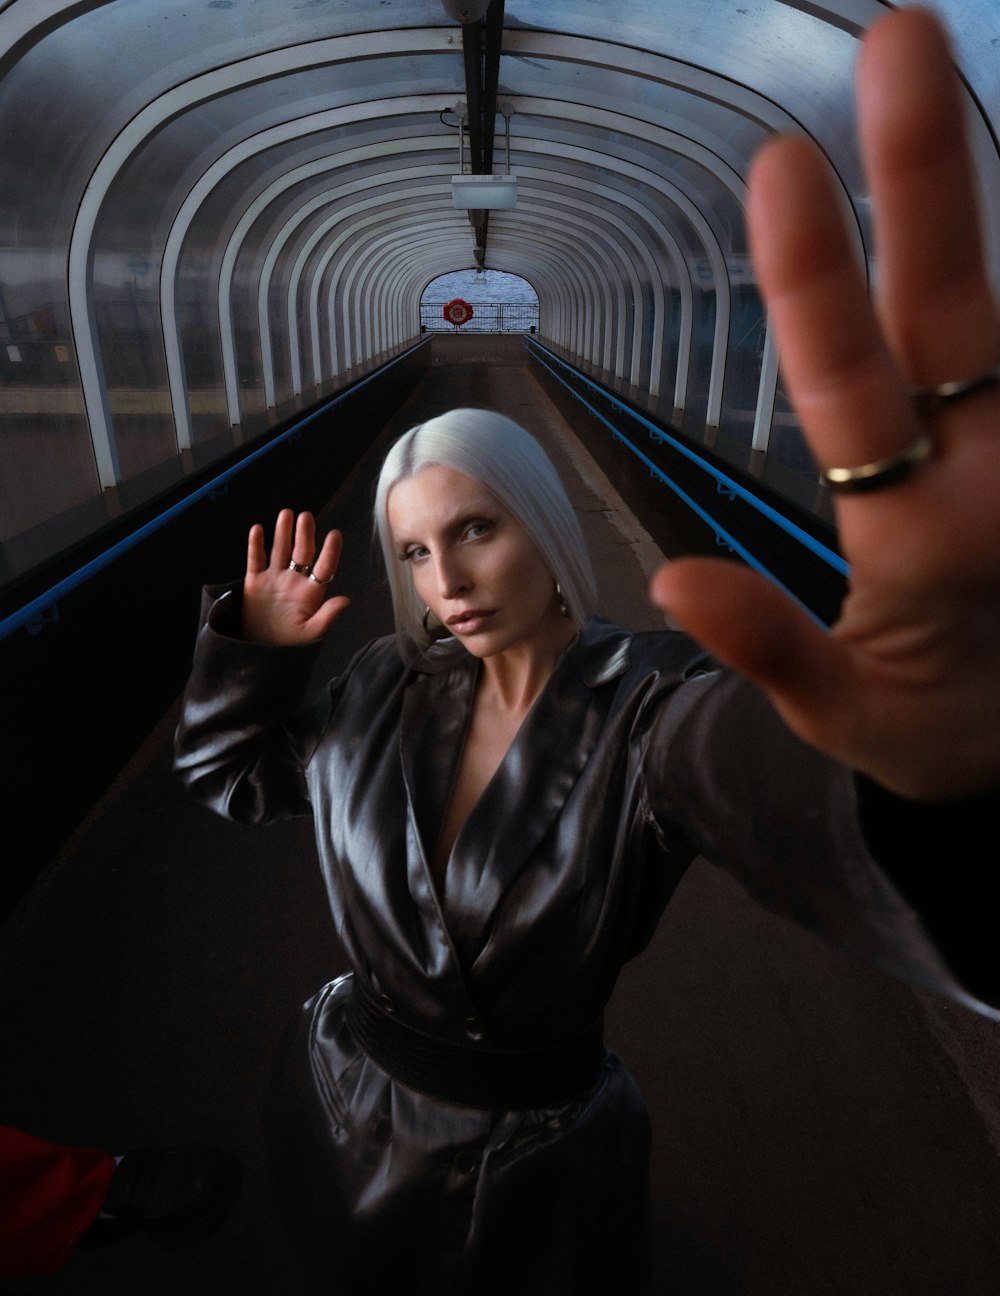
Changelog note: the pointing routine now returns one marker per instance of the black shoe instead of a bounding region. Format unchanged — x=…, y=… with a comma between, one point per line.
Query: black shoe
x=178, y=1195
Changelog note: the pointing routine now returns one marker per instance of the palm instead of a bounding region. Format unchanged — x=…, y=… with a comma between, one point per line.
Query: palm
x=904, y=687
x=282, y=606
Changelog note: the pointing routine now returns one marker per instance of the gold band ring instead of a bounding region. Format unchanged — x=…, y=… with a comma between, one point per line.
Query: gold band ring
x=887, y=472
x=883, y=472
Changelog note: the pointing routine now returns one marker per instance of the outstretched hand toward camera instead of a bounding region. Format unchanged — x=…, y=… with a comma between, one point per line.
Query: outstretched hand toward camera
x=906, y=686
x=286, y=605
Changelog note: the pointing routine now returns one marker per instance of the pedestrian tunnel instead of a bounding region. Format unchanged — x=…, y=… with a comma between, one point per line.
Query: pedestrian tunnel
x=212, y=218
x=221, y=228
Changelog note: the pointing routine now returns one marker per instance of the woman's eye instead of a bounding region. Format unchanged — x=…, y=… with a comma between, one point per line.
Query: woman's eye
x=476, y=529
x=414, y=553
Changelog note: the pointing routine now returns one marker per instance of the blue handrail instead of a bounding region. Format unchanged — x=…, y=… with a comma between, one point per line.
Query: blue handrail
x=37, y=613
x=725, y=483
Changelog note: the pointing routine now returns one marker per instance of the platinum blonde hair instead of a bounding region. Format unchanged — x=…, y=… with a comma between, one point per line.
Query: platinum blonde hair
x=509, y=462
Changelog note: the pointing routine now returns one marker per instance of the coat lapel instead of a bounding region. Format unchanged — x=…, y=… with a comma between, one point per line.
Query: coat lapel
x=529, y=789
x=437, y=707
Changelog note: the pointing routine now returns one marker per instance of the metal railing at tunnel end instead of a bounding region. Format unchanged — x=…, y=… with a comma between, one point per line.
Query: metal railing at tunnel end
x=487, y=317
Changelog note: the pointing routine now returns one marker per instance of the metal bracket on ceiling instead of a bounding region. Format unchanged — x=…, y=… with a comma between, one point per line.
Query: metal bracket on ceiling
x=466, y=11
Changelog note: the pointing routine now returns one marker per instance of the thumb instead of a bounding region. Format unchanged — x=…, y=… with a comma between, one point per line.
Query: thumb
x=749, y=624
x=323, y=618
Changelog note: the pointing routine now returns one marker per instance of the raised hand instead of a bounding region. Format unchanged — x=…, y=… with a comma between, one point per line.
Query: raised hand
x=906, y=686
x=286, y=605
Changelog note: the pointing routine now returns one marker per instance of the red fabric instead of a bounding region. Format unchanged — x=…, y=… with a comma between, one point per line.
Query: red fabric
x=49, y=1196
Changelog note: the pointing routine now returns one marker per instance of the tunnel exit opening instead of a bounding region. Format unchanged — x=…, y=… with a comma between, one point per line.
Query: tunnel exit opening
x=500, y=303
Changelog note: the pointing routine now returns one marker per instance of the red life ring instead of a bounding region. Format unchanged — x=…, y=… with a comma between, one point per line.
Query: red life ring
x=457, y=311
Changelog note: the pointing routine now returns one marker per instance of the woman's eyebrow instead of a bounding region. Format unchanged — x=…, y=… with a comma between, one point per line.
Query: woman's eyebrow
x=454, y=523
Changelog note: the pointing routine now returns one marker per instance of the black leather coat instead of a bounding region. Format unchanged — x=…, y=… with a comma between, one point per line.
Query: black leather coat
x=636, y=757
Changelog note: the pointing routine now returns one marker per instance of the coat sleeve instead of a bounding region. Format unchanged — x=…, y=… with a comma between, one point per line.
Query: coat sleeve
x=245, y=735
x=810, y=840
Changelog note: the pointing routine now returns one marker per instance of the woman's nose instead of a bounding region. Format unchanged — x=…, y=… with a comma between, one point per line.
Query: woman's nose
x=452, y=578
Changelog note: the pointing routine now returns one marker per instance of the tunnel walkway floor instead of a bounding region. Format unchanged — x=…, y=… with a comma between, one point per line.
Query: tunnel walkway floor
x=813, y=1133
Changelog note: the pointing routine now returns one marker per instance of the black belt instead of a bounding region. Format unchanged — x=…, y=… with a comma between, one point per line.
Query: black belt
x=477, y=1077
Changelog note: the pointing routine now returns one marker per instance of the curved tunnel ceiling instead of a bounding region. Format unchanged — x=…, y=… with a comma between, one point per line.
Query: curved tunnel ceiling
x=256, y=194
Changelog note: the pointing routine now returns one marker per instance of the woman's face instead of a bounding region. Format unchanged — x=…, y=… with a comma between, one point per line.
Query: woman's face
x=473, y=563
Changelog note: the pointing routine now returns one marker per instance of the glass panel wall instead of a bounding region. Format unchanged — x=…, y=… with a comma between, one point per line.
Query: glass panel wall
x=210, y=216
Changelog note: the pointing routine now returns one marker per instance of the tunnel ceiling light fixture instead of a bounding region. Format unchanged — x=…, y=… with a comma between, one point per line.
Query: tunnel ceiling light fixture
x=475, y=192
x=482, y=192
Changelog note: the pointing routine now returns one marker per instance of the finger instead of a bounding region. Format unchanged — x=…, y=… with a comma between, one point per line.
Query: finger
x=281, y=547
x=839, y=374
x=256, y=554
x=305, y=539
x=934, y=297
x=325, y=566
x=747, y=623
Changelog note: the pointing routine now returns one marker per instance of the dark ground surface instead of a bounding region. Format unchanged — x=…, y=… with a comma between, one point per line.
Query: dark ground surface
x=820, y=1129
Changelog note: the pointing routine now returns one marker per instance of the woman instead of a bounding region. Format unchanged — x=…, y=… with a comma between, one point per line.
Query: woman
x=502, y=813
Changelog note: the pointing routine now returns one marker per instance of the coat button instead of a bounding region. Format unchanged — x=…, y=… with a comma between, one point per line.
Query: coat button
x=474, y=1029
x=386, y=1004
x=382, y=1130
x=465, y=1162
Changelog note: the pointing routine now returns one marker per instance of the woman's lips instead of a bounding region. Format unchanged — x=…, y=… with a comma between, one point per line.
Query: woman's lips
x=470, y=622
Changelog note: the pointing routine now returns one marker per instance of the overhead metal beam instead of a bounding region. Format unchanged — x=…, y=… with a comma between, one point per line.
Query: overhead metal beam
x=492, y=43
x=481, y=47
x=492, y=48
x=472, y=49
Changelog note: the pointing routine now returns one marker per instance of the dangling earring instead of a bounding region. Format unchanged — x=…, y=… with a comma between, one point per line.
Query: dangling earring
x=434, y=628
x=562, y=600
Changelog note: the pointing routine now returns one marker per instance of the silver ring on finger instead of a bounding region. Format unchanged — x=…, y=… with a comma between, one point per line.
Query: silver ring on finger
x=304, y=569
x=314, y=577
x=931, y=400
